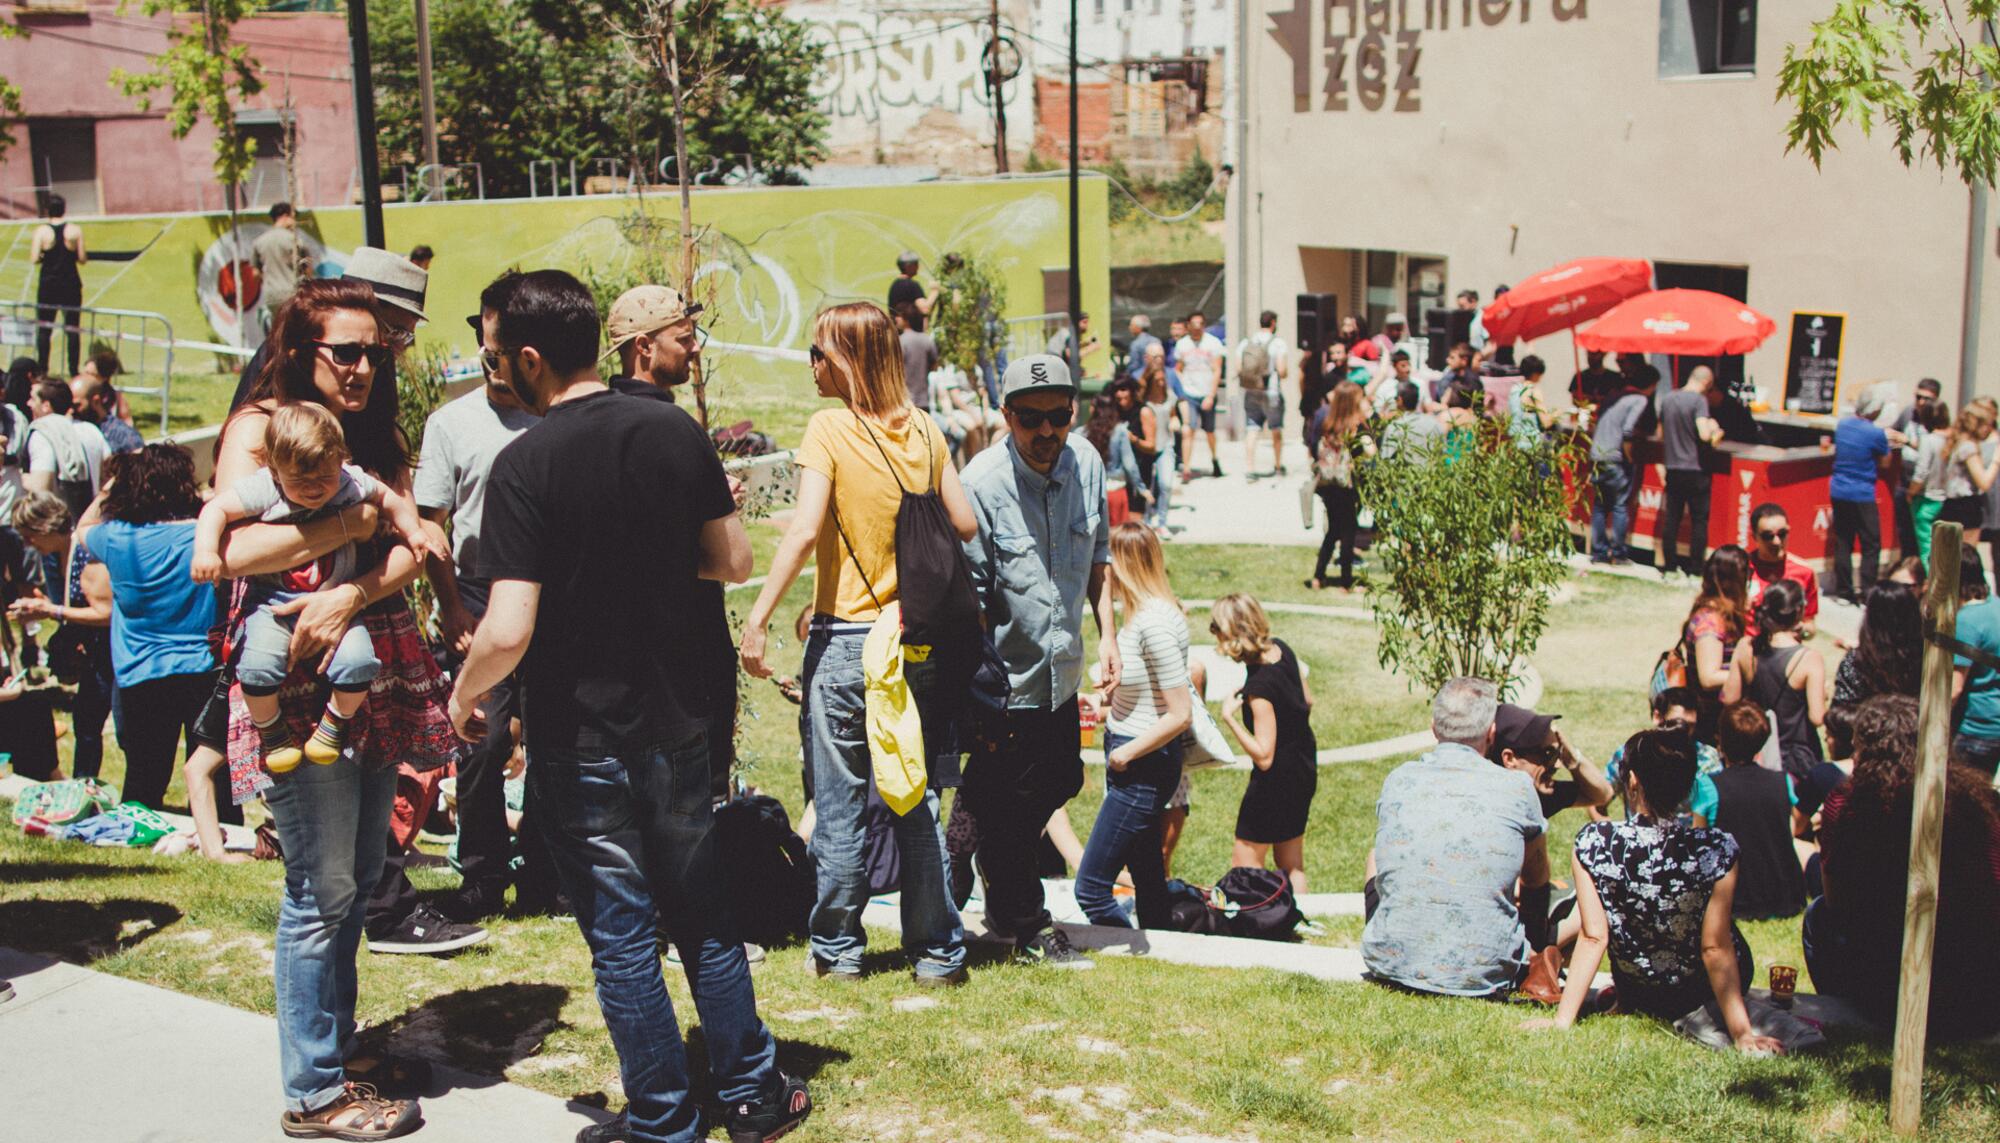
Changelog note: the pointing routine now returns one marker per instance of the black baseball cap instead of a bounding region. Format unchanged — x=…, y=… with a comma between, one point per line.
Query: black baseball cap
x=1521, y=730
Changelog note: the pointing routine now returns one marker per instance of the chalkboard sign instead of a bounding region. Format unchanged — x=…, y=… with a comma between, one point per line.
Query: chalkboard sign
x=1812, y=362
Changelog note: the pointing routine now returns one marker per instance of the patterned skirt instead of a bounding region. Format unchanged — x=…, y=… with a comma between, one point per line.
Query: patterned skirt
x=405, y=720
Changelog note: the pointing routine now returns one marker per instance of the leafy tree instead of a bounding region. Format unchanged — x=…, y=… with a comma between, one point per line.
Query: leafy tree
x=204, y=75
x=1923, y=68
x=524, y=80
x=1470, y=544
x=968, y=322
x=10, y=92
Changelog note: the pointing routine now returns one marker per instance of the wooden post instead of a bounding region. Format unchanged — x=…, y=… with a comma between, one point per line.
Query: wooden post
x=1906, y=1083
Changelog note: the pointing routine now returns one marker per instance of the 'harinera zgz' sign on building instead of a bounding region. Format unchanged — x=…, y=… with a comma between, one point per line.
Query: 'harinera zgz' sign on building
x=1374, y=48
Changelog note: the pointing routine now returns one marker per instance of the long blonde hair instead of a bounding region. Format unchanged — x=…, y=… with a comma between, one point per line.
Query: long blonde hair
x=866, y=356
x=1138, y=568
x=1242, y=630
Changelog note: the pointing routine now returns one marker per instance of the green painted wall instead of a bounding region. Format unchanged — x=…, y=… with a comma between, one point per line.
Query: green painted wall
x=783, y=252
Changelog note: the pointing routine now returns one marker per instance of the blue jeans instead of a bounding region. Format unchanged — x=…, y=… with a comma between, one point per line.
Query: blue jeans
x=267, y=649
x=836, y=712
x=633, y=839
x=331, y=824
x=1982, y=754
x=1127, y=836
x=1611, y=511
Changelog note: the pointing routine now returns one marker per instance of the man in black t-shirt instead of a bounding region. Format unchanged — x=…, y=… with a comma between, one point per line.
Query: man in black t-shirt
x=652, y=329
x=598, y=524
x=906, y=290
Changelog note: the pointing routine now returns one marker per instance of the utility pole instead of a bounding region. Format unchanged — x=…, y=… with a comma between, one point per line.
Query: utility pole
x=369, y=165
x=1240, y=107
x=1075, y=232
x=433, y=177
x=996, y=82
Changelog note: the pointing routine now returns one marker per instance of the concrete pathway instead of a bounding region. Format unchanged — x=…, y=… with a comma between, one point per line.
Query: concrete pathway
x=1235, y=509
x=94, y=1057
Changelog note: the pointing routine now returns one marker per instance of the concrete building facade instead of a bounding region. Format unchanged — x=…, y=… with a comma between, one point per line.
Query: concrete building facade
x=85, y=139
x=1401, y=150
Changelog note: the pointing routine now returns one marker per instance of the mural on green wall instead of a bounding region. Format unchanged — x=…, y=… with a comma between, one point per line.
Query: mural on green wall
x=775, y=255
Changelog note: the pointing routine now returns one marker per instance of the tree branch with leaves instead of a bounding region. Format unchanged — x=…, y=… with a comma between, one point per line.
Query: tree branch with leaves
x=1921, y=68
x=204, y=75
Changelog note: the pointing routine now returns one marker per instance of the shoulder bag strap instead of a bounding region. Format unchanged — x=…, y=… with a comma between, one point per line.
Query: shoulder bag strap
x=866, y=585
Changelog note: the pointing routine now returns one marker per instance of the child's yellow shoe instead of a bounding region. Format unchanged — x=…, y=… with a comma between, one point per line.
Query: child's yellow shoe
x=283, y=759
x=321, y=751
x=328, y=739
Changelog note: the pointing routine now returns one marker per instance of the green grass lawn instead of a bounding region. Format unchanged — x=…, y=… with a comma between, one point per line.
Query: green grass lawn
x=1134, y=1050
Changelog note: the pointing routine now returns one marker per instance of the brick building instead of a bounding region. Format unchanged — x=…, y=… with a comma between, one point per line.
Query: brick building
x=85, y=139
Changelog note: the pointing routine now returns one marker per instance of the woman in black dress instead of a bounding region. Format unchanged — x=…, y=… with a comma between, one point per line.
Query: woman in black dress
x=1283, y=755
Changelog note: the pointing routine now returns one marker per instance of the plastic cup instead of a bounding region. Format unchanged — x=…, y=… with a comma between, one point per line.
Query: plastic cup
x=1784, y=982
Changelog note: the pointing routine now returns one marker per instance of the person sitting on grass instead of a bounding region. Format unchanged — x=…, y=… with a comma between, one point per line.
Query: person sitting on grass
x=1283, y=754
x=1676, y=707
x=305, y=478
x=1853, y=933
x=1759, y=808
x=1530, y=743
x=1149, y=707
x=1455, y=837
x=1658, y=896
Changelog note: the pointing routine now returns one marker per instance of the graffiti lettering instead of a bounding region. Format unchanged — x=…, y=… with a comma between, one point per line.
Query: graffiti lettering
x=894, y=61
x=1369, y=24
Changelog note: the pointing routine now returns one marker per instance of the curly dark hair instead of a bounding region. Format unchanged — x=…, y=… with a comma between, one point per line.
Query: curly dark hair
x=1889, y=656
x=153, y=484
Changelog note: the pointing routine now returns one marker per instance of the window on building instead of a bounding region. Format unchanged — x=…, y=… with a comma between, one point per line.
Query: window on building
x=1707, y=37
x=265, y=184
x=64, y=153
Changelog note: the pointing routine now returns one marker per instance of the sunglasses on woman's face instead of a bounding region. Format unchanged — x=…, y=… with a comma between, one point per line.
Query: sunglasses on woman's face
x=816, y=354
x=348, y=354
x=1032, y=419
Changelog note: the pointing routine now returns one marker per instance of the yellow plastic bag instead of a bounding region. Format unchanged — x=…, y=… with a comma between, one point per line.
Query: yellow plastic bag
x=895, y=734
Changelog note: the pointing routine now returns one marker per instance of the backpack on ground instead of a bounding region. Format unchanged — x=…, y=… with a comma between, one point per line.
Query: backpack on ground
x=771, y=885
x=1258, y=903
x=1255, y=903
x=1253, y=365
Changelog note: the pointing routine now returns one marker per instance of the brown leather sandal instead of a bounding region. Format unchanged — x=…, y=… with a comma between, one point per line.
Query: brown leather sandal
x=359, y=1115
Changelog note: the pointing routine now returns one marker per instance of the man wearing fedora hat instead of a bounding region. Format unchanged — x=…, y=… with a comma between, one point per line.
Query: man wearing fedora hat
x=400, y=286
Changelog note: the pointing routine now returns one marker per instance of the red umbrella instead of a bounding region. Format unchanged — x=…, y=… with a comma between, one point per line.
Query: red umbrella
x=1684, y=323
x=1559, y=298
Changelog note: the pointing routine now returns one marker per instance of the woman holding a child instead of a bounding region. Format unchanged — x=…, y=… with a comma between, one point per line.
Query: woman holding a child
x=327, y=349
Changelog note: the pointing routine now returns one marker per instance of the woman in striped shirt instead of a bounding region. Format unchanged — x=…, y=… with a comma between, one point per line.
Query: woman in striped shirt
x=1150, y=707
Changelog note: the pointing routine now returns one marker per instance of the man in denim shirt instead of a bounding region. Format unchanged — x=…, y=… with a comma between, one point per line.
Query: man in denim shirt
x=1044, y=547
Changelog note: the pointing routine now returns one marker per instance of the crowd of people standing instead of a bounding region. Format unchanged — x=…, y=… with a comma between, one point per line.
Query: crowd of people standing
x=552, y=488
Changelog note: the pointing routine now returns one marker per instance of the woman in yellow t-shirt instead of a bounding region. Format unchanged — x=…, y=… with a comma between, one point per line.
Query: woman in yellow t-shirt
x=854, y=466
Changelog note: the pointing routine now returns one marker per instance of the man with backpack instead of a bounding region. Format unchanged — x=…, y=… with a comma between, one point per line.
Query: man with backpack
x=1261, y=369
x=65, y=456
x=1043, y=549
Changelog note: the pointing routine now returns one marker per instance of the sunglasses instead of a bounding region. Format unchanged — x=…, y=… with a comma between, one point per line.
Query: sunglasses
x=1035, y=418
x=491, y=360
x=348, y=354
x=395, y=337
x=816, y=354
x=1778, y=534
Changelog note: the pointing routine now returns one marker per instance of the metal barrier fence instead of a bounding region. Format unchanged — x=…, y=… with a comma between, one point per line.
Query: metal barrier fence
x=151, y=335
x=1032, y=334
